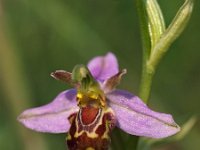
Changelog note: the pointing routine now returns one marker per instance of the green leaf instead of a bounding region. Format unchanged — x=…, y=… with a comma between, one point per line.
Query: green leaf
x=156, y=23
x=171, y=34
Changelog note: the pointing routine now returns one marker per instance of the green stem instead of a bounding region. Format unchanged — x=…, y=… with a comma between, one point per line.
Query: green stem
x=156, y=40
x=145, y=84
x=146, y=46
x=147, y=74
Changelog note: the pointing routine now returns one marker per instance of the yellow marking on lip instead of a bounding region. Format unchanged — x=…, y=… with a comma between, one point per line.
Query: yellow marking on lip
x=68, y=137
x=105, y=135
x=89, y=134
x=90, y=148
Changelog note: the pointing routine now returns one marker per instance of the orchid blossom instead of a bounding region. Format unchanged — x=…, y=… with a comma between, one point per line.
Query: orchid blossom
x=90, y=110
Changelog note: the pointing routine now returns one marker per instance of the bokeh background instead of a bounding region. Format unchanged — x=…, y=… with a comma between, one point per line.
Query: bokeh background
x=41, y=36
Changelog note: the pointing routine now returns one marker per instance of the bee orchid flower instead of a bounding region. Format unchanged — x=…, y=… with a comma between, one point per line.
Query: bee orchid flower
x=90, y=110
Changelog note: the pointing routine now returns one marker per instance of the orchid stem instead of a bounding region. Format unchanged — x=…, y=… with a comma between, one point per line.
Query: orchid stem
x=147, y=75
x=156, y=38
x=145, y=84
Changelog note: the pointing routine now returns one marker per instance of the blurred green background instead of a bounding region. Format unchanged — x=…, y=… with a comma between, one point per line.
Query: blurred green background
x=41, y=36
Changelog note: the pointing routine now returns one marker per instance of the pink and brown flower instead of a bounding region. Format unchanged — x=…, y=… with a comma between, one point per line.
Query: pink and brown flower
x=94, y=107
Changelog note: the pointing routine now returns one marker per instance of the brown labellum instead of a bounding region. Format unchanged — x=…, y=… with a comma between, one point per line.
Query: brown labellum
x=90, y=129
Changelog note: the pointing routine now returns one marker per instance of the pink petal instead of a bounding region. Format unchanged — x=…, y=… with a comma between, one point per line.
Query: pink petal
x=134, y=117
x=103, y=67
x=53, y=117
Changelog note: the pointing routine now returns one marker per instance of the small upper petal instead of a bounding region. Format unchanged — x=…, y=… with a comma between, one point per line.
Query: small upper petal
x=53, y=117
x=103, y=67
x=134, y=117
